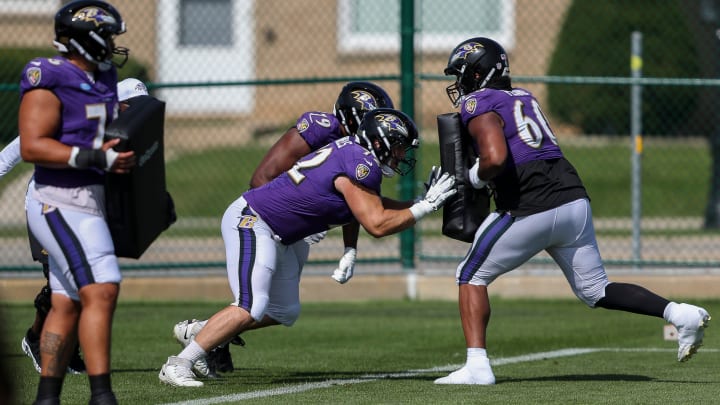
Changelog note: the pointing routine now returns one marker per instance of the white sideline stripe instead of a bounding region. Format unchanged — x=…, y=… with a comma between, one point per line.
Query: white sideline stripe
x=294, y=389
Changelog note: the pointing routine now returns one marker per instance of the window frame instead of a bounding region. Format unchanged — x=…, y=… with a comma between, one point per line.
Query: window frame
x=349, y=42
x=29, y=6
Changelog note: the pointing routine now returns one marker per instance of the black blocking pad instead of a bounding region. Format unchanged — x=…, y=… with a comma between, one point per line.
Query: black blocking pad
x=138, y=205
x=464, y=212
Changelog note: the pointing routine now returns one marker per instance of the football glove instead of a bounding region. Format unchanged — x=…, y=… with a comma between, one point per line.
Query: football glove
x=441, y=188
x=315, y=238
x=344, y=272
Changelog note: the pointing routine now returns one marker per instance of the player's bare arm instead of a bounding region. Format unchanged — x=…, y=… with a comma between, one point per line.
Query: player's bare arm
x=368, y=209
x=350, y=234
x=281, y=156
x=487, y=130
x=38, y=121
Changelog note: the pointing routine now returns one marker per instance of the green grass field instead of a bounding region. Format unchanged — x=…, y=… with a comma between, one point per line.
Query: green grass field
x=390, y=352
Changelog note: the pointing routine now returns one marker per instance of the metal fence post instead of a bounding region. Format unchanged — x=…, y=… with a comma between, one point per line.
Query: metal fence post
x=407, y=91
x=637, y=141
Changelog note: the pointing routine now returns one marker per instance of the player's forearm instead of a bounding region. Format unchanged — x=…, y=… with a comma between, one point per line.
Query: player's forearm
x=45, y=151
x=389, y=222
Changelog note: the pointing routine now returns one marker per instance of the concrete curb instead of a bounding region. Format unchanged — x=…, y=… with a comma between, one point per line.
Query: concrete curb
x=378, y=287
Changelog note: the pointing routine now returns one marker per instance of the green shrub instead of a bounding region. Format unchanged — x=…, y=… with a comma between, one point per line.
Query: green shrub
x=13, y=62
x=595, y=40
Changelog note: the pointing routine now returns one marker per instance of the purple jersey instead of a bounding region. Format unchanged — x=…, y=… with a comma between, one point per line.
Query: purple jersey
x=304, y=201
x=318, y=128
x=527, y=132
x=536, y=176
x=87, y=108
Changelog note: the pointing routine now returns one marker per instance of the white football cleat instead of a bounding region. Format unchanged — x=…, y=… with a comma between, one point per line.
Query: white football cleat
x=185, y=333
x=464, y=376
x=691, y=329
x=176, y=371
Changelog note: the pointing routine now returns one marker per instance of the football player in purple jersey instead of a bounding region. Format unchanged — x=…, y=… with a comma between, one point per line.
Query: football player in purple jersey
x=313, y=130
x=332, y=186
x=66, y=103
x=9, y=157
x=541, y=205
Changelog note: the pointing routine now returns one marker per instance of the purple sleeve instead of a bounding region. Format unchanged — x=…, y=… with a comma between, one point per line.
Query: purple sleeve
x=318, y=128
x=478, y=103
x=39, y=74
x=362, y=167
x=527, y=132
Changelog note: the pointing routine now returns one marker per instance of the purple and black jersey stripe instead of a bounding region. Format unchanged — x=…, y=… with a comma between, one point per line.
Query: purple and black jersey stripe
x=246, y=262
x=71, y=248
x=482, y=247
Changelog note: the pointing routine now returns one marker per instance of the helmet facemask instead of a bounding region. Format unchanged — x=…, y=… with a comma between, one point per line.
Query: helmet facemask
x=455, y=91
x=391, y=137
x=349, y=118
x=401, y=161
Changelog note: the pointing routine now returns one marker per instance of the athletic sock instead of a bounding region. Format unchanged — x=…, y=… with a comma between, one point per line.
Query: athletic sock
x=476, y=359
x=193, y=352
x=633, y=298
x=99, y=383
x=49, y=389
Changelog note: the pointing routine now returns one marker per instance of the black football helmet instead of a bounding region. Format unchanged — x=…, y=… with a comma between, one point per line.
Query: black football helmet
x=385, y=132
x=88, y=27
x=475, y=62
x=357, y=98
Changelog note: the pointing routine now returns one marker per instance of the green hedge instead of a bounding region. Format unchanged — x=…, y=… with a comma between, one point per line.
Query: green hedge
x=600, y=31
x=13, y=62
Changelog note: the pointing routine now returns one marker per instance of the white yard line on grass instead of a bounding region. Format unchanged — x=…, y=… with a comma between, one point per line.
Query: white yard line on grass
x=293, y=389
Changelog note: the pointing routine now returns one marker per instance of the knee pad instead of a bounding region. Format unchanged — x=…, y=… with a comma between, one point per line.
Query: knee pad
x=42, y=301
x=286, y=315
x=591, y=295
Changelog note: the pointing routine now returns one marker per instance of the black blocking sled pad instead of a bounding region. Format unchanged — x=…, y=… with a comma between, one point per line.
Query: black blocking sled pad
x=138, y=205
x=464, y=212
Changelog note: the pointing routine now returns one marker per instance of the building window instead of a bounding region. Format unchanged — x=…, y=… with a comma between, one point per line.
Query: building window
x=206, y=23
x=374, y=25
x=206, y=41
x=30, y=6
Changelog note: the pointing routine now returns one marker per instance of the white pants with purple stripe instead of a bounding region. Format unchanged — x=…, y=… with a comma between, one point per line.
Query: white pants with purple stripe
x=79, y=247
x=264, y=275
x=502, y=243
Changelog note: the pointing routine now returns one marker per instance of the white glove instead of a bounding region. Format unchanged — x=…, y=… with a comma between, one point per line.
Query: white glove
x=474, y=177
x=344, y=272
x=315, y=238
x=441, y=188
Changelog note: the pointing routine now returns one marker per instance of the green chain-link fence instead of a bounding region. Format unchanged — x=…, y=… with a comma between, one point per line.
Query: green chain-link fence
x=236, y=74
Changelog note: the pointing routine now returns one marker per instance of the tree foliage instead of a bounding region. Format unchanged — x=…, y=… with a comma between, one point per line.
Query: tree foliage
x=601, y=32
